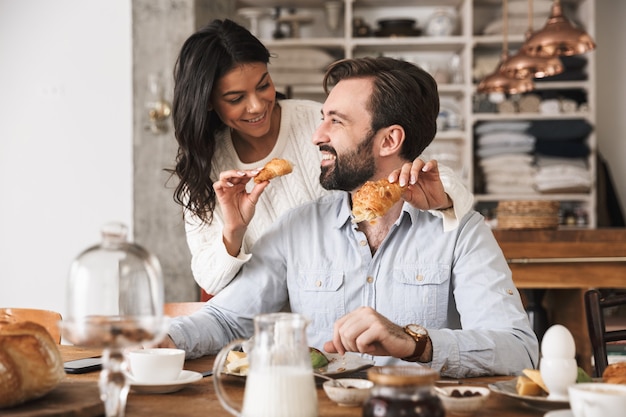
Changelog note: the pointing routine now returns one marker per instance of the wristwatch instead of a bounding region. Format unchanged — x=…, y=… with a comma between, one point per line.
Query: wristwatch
x=420, y=335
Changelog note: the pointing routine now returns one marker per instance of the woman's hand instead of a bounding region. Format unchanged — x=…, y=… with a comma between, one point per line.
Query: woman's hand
x=425, y=190
x=238, y=206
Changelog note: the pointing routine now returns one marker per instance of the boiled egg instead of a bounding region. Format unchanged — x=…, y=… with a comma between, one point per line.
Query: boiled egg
x=558, y=342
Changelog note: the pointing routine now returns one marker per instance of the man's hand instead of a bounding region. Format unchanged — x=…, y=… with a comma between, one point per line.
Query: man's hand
x=366, y=331
x=425, y=190
x=167, y=343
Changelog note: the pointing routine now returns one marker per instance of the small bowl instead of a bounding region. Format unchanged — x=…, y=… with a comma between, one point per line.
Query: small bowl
x=352, y=393
x=463, y=405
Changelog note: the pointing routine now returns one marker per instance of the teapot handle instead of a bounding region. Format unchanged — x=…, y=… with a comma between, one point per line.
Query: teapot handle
x=218, y=368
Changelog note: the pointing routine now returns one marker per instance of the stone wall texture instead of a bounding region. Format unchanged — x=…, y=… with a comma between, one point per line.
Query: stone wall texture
x=159, y=29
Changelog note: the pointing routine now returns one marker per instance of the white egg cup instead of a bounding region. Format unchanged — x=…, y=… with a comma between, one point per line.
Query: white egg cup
x=558, y=374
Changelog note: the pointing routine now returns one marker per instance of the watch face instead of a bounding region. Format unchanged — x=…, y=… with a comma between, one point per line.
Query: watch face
x=417, y=329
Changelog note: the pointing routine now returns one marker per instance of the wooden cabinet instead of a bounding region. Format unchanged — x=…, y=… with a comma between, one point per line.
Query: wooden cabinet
x=560, y=266
x=454, y=60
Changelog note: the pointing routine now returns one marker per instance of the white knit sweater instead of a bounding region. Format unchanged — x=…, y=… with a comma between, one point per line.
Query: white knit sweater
x=213, y=268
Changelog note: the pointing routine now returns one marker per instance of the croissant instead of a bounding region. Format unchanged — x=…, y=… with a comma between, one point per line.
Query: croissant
x=615, y=373
x=274, y=168
x=374, y=199
x=30, y=362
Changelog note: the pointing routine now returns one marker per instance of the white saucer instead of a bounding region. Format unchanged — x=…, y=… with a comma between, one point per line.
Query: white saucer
x=559, y=413
x=185, y=377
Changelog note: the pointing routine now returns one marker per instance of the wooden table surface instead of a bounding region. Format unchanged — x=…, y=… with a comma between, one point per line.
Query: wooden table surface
x=565, y=259
x=199, y=398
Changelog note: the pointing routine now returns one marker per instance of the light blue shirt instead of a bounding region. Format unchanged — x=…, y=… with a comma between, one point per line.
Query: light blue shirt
x=457, y=284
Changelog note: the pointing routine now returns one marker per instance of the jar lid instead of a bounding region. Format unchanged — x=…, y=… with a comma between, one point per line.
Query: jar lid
x=402, y=375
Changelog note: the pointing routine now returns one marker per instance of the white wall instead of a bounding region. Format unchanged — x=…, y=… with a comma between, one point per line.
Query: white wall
x=611, y=92
x=65, y=138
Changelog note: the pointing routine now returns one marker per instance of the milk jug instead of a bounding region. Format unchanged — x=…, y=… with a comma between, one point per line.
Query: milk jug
x=280, y=381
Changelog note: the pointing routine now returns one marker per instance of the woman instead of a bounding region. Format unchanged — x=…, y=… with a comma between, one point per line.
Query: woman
x=229, y=122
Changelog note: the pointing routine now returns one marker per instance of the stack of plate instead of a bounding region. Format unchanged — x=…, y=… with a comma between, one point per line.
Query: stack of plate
x=528, y=215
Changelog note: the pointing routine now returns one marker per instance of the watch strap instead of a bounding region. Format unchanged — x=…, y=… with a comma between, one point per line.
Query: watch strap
x=421, y=341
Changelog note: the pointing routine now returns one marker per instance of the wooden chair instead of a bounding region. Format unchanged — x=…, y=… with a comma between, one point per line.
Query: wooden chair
x=182, y=308
x=595, y=306
x=46, y=318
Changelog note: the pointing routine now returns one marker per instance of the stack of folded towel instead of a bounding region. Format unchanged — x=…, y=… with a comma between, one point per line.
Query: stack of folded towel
x=504, y=152
x=542, y=156
x=561, y=155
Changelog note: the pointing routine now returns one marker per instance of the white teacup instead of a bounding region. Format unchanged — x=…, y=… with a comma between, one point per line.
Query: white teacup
x=595, y=399
x=156, y=364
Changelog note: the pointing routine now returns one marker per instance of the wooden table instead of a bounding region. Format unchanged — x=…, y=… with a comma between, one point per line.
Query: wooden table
x=563, y=264
x=199, y=398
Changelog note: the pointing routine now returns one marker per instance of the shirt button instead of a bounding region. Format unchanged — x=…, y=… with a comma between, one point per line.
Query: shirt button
x=420, y=278
x=370, y=280
x=509, y=292
x=318, y=283
x=363, y=243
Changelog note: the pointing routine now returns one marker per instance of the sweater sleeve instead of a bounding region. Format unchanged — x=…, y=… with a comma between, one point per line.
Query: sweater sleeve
x=212, y=266
x=462, y=199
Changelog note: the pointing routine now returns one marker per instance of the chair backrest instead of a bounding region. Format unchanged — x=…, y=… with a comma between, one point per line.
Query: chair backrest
x=182, y=308
x=46, y=318
x=595, y=306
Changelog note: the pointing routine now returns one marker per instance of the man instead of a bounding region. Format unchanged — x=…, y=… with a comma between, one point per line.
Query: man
x=399, y=289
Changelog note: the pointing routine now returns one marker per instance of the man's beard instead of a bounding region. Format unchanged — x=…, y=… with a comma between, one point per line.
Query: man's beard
x=352, y=169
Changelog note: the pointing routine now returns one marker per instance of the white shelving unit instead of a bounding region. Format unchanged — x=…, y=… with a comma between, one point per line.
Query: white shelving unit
x=453, y=146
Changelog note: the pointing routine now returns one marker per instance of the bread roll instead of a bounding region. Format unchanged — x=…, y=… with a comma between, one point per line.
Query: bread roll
x=615, y=373
x=374, y=199
x=30, y=362
x=274, y=168
x=526, y=386
x=535, y=376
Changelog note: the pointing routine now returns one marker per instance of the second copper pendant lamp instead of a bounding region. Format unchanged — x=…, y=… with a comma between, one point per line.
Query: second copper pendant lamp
x=522, y=65
x=499, y=81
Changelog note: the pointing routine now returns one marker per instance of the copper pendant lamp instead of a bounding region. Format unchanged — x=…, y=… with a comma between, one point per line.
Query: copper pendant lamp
x=499, y=81
x=558, y=37
x=522, y=65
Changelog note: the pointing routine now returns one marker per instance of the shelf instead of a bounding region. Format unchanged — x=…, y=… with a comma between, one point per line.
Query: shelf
x=333, y=43
x=468, y=46
x=429, y=42
x=539, y=197
x=529, y=116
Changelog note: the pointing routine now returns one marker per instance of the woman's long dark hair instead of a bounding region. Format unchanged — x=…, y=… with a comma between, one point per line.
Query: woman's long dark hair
x=205, y=57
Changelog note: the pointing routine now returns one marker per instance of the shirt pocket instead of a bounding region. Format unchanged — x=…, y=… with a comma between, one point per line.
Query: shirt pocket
x=321, y=297
x=421, y=294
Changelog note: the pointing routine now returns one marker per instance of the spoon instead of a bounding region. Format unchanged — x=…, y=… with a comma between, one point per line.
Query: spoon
x=335, y=382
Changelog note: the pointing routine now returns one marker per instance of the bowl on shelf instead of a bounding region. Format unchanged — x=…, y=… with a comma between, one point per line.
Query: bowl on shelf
x=348, y=392
x=463, y=399
x=397, y=27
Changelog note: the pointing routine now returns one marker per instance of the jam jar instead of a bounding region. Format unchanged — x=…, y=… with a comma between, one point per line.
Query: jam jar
x=403, y=391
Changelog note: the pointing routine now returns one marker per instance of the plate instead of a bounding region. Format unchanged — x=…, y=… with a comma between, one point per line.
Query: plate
x=185, y=377
x=559, y=413
x=507, y=388
x=338, y=365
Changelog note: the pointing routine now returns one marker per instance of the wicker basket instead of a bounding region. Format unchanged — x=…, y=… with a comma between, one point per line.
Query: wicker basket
x=520, y=215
